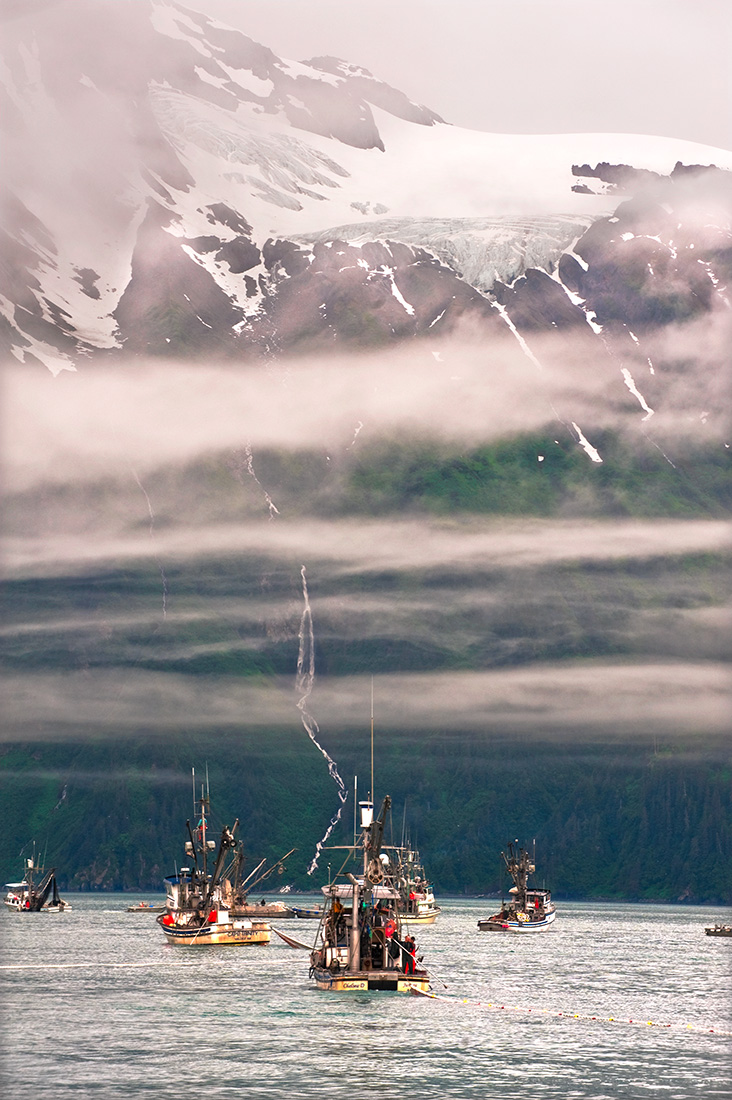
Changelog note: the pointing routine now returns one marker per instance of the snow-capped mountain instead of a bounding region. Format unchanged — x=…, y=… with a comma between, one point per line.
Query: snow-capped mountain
x=173, y=188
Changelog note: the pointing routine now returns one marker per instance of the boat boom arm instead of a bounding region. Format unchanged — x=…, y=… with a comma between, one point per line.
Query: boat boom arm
x=227, y=841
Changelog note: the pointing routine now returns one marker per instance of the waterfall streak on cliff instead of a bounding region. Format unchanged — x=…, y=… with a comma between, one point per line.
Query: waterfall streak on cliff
x=273, y=510
x=586, y=446
x=152, y=536
x=304, y=685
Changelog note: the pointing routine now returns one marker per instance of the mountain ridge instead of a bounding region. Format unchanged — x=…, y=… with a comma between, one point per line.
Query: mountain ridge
x=207, y=156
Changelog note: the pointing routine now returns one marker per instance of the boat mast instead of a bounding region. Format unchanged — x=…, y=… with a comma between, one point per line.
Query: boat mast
x=228, y=841
x=204, y=807
x=372, y=833
x=373, y=794
x=519, y=868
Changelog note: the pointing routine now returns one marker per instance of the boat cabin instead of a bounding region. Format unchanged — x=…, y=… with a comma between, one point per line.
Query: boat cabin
x=366, y=942
x=183, y=891
x=538, y=901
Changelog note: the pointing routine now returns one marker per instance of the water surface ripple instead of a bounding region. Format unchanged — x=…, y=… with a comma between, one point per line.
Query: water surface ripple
x=97, y=1004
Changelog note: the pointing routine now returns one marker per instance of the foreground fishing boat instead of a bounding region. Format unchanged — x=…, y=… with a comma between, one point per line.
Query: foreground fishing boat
x=360, y=944
x=719, y=930
x=211, y=907
x=37, y=893
x=529, y=910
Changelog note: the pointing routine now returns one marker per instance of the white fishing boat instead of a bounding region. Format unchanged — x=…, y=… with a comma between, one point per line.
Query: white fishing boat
x=529, y=909
x=719, y=930
x=37, y=892
x=210, y=906
x=417, y=903
x=361, y=943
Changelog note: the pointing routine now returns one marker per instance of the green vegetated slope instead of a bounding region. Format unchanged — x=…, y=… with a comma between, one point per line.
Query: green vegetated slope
x=542, y=474
x=638, y=823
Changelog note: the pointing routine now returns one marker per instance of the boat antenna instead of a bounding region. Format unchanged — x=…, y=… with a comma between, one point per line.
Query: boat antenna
x=193, y=781
x=208, y=792
x=373, y=797
x=355, y=807
x=404, y=823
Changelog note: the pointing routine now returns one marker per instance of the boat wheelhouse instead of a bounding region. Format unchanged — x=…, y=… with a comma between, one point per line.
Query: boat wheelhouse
x=417, y=903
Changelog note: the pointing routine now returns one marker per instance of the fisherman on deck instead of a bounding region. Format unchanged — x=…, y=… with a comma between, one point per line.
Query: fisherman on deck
x=410, y=951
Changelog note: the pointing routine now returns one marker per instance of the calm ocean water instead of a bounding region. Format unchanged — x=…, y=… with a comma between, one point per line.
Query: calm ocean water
x=96, y=1003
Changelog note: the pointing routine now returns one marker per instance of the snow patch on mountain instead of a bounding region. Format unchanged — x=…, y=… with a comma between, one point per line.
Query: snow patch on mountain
x=174, y=23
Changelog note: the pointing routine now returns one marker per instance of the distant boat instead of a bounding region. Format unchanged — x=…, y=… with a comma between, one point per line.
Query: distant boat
x=719, y=930
x=37, y=893
x=270, y=910
x=145, y=907
x=360, y=943
x=210, y=906
x=417, y=903
x=313, y=913
x=529, y=910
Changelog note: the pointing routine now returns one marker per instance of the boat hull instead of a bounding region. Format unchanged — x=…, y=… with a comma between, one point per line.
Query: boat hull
x=15, y=905
x=719, y=930
x=230, y=933
x=274, y=911
x=428, y=917
x=497, y=924
x=385, y=981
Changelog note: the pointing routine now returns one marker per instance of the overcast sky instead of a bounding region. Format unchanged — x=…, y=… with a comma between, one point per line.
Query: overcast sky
x=524, y=66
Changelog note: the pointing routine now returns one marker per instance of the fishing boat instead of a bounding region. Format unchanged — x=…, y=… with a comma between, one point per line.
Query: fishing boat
x=37, y=893
x=719, y=930
x=360, y=944
x=211, y=906
x=266, y=910
x=417, y=903
x=146, y=907
x=529, y=910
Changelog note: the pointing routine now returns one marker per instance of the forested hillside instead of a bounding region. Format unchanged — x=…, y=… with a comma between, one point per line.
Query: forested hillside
x=640, y=822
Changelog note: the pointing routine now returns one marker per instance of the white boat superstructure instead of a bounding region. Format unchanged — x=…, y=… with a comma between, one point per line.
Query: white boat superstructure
x=404, y=869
